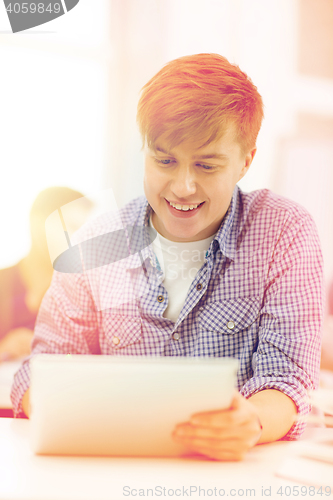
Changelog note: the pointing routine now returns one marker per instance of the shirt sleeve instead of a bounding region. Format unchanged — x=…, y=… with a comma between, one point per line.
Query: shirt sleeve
x=288, y=354
x=67, y=322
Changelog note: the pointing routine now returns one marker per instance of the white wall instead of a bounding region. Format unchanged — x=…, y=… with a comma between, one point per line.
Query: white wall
x=53, y=90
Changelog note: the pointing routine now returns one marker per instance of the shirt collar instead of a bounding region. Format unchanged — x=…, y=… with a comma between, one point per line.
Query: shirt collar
x=226, y=236
x=136, y=259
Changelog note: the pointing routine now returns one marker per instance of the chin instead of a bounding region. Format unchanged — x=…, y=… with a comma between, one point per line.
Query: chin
x=182, y=235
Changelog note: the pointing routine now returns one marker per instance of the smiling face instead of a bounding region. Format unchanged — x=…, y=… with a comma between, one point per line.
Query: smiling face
x=189, y=188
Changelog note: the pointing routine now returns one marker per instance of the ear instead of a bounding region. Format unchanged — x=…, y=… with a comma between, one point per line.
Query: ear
x=247, y=162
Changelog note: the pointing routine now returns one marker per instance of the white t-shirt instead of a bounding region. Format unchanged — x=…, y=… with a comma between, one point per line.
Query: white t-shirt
x=179, y=262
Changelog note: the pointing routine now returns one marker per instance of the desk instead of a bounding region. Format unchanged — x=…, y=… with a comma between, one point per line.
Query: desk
x=25, y=476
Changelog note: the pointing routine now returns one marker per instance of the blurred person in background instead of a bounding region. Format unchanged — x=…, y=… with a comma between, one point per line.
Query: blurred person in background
x=23, y=285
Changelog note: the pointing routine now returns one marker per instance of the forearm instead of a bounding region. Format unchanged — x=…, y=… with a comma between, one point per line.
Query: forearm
x=26, y=403
x=276, y=413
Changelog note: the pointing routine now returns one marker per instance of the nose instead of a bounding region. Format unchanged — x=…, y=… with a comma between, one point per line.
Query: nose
x=184, y=182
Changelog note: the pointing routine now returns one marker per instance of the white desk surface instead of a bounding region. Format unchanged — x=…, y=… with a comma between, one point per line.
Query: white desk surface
x=25, y=476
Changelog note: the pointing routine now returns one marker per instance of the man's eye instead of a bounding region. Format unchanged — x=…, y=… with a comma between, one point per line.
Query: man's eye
x=205, y=167
x=163, y=162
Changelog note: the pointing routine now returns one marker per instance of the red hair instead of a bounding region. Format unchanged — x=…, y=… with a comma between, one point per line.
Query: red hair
x=195, y=98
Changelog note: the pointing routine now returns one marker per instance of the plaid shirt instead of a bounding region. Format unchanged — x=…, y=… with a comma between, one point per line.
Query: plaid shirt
x=258, y=297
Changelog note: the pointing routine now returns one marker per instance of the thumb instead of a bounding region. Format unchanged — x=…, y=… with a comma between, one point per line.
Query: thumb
x=236, y=401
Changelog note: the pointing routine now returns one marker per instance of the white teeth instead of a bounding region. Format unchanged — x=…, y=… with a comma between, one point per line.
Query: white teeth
x=183, y=207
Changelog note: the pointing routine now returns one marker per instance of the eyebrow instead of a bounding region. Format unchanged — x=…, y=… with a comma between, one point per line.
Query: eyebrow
x=199, y=157
x=161, y=150
x=213, y=156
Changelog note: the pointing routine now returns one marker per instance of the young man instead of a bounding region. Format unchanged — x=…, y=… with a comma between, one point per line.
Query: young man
x=230, y=274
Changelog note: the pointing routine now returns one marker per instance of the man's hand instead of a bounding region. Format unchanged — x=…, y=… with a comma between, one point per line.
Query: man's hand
x=223, y=434
x=16, y=344
x=229, y=434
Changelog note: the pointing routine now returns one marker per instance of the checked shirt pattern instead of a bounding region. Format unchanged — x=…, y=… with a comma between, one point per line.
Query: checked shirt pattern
x=258, y=298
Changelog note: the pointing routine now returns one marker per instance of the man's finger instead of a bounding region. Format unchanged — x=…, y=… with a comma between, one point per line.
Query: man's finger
x=227, y=450
x=220, y=418
x=221, y=433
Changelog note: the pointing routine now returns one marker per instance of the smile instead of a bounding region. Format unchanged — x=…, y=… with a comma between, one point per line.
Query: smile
x=183, y=208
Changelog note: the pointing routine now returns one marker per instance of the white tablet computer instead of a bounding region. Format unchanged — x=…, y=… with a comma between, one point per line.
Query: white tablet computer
x=121, y=405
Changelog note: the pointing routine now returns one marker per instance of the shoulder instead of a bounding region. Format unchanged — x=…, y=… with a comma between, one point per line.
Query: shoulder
x=264, y=199
x=266, y=207
x=133, y=213
x=269, y=221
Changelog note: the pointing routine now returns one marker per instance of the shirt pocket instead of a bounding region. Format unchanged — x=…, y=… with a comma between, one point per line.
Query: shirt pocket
x=230, y=316
x=122, y=331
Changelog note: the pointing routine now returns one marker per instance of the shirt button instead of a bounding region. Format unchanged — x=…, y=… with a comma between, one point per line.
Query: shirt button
x=160, y=298
x=231, y=325
x=115, y=340
x=176, y=336
x=199, y=286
